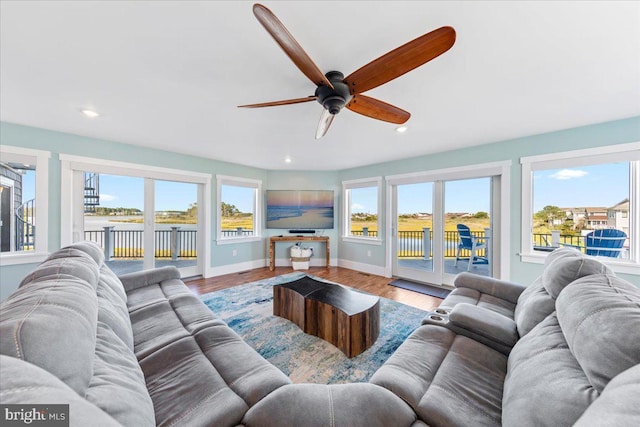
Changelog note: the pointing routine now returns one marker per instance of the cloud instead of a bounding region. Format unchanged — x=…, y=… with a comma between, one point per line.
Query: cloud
x=356, y=206
x=107, y=197
x=568, y=174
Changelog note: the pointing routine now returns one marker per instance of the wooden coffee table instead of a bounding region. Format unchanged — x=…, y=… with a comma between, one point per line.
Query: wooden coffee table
x=347, y=319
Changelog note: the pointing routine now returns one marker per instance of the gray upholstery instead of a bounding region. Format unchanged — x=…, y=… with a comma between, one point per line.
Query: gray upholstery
x=27, y=384
x=448, y=379
x=618, y=404
x=585, y=349
x=143, y=350
x=594, y=336
x=68, y=321
x=562, y=267
x=317, y=405
x=145, y=353
x=485, y=326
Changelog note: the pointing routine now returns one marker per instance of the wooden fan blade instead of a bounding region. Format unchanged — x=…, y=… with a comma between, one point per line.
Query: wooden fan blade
x=401, y=60
x=283, y=102
x=377, y=109
x=323, y=125
x=290, y=46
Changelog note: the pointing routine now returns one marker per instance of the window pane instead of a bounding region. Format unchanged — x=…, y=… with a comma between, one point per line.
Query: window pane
x=237, y=211
x=363, y=212
x=570, y=203
x=17, y=207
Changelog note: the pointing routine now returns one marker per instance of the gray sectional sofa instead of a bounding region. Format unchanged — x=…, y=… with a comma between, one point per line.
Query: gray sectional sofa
x=141, y=350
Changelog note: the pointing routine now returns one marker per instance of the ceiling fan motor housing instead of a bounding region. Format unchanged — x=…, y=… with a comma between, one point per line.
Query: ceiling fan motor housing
x=333, y=100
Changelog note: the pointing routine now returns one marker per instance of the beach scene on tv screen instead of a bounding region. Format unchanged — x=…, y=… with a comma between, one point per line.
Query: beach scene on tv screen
x=300, y=209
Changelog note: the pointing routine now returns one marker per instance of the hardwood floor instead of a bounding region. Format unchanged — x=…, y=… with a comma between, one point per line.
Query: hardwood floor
x=376, y=285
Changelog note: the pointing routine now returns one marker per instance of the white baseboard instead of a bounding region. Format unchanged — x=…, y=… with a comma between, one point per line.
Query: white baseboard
x=313, y=262
x=365, y=268
x=235, y=268
x=286, y=262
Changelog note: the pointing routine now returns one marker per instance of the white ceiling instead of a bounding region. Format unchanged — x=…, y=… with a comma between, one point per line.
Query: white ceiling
x=169, y=75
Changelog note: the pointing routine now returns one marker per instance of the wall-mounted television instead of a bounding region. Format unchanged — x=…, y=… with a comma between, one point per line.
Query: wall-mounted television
x=300, y=209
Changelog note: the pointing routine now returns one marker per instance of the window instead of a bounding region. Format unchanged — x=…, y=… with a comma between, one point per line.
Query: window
x=239, y=207
x=568, y=195
x=23, y=205
x=361, y=209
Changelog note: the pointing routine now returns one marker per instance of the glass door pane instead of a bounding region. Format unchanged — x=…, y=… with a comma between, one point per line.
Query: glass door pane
x=414, y=225
x=114, y=218
x=176, y=225
x=467, y=234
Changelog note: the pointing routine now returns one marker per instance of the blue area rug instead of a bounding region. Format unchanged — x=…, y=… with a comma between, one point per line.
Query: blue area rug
x=248, y=310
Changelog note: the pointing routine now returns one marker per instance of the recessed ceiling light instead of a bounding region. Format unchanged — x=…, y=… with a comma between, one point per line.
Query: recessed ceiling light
x=287, y=159
x=401, y=129
x=89, y=113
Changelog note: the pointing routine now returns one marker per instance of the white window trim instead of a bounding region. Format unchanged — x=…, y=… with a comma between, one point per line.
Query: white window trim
x=257, y=209
x=71, y=163
x=503, y=214
x=583, y=157
x=346, y=215
x=41, y=159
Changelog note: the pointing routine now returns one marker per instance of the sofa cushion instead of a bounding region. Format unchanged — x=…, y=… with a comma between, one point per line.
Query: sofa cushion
x=198, y=371
x=52, y=322
x=475, y=297
x=447, y=379
x=319, y=405
x=600, y=319
x=27, y=384
x=545, y=385
x=562, y=365
x=118, y=385
x=562, y=267
x=618, y=403
x=112, y=306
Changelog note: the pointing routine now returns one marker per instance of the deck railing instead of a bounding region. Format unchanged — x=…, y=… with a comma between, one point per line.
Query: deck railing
x=177, y=243
x=127, y=244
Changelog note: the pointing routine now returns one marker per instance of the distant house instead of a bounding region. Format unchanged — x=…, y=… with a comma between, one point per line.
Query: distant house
x=618, y=216
x=590, y=218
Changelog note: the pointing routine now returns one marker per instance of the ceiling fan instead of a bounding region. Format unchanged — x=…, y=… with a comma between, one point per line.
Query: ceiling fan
x=334, y=91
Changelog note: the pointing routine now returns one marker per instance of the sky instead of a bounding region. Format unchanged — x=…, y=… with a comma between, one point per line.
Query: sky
x=593, y=186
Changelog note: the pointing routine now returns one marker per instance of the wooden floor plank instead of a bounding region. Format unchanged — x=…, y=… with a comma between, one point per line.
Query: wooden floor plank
x=376, y=285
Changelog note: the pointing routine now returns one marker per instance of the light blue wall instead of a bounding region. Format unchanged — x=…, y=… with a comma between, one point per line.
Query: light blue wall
x=58, y=142
x=598, y=135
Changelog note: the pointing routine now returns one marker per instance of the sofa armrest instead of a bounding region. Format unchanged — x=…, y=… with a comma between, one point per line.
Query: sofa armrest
x=503, y=289
x=319, y=405
x=139, y=279
x=485, y=326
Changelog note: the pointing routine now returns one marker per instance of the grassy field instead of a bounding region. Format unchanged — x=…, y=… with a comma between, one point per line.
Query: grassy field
x=417, y=224
x=405, y=224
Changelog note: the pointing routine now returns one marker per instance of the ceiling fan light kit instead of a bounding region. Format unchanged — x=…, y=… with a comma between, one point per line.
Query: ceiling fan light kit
x=334, y=91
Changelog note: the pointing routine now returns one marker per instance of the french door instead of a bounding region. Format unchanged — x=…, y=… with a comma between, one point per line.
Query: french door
x=142, y=216
x=429, y=215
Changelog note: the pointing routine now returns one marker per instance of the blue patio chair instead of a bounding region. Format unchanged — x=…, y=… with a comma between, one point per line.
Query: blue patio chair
x=607, y=242
x=470, y=243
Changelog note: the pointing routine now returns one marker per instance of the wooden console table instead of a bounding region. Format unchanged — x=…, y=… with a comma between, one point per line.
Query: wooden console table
x=274, y=239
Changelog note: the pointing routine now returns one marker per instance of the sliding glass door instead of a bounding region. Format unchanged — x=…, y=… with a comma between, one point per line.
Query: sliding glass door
x=413, y=227
x=140, y=223
x=446, y=222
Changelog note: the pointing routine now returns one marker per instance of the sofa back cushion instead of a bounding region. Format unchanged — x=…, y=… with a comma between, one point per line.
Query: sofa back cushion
x=562, y=365
x=50, y=320
x=69, y=317
x=562, y=267
x=600, y=319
